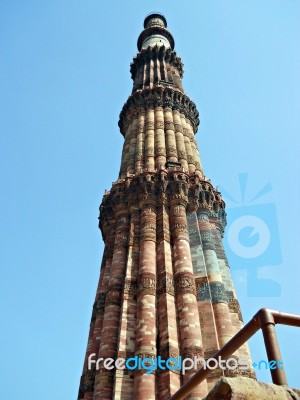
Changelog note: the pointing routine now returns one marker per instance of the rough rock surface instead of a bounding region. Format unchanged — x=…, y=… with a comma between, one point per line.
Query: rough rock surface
x=249, y=389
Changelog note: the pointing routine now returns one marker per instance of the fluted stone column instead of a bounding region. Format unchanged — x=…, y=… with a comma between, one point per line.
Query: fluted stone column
x=205, y=307
x=215, y=283
x=186, y=301
x=104, y=382
x=170, y=136
x=149, y=139
x=88, y=376
x=132, y=145
x=188, y=147
x=140, y=146
x=168, y=341
x=144, y=385
x=123, y=389
x=182, y=155
x=233, y=303
x=160, y=143
x=125, y=153
x=195, y=152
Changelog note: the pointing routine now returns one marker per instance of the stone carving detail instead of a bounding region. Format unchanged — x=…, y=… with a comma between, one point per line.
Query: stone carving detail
x=179, y=228
x=218, y=293
x=178, y=128
x=201, y=282
x=166, y=284
x=169, y=284
x=180, y=234
x=149, y=152
x=148, y=232
x=193, y=194
x=146, y=186
x=190, y=159
x=210, y=353
x=203, y=292
x=218, y=214
x=185, y=283
x=100, y=303
x=167, y=97
x=191, y=137
x=192, y=351
x=130, y=287
x=149, y=125
x=147, y=284
x=214, y=292
x=154, y=53
x=167, y=351
x=234, y=306
x=160, y=151
x=118, y=199
x=114, y=295
x=155, y=188
x=142, y=353
x=178, y=188
x=146, y=351
x=169, y=125
x=148, y=224
x=159, y=125
x=207, y=245
x=171, y=151
x=207, y=236
x=182, y=154
x=158, y=102
x=179, y=211
x=139, y=156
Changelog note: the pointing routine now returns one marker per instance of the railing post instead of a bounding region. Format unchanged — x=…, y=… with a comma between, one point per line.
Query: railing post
x=272, y=347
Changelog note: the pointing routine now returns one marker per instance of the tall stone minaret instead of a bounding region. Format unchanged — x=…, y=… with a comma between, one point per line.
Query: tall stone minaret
x=165, y=287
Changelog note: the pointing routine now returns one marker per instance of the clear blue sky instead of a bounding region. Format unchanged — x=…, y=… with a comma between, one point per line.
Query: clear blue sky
x=64, y=72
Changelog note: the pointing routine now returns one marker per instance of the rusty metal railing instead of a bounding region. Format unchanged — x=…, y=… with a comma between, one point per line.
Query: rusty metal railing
x=265, y=319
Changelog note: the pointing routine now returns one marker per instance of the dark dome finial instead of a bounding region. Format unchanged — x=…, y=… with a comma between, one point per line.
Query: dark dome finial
x=155, y=19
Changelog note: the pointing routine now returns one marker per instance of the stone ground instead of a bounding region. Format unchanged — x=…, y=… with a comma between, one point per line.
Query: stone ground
x=249, y=389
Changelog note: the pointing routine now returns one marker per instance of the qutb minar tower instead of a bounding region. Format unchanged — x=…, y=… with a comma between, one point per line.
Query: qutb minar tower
x=165, y=287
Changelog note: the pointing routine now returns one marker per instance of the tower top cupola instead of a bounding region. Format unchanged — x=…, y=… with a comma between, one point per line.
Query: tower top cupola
x=155, y=33
x=155, y=19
